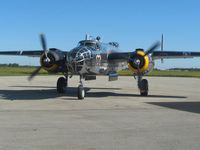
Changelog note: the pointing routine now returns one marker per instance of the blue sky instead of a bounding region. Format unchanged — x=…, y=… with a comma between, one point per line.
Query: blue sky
x=132, y=23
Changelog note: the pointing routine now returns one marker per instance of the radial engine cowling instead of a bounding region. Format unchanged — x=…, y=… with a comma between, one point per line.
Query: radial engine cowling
x=52, y=64
x=138, y=62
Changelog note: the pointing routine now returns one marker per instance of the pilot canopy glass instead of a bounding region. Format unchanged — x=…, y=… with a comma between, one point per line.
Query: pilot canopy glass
x=89, y=43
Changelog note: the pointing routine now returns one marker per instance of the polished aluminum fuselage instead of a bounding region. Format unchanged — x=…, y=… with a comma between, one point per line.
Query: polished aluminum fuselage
x=91, y=57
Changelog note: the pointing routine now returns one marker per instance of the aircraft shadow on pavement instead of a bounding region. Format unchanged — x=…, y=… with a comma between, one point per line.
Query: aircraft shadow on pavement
x=45, y=93
x=106, y=94
x=28, y=94
x=47, y=87
x=33, y=86
x=193, y=107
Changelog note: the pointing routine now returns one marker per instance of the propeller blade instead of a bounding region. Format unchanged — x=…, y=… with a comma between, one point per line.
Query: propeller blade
x=152, y=48
x=44, y=45
x=34, y=73
x=43, y=42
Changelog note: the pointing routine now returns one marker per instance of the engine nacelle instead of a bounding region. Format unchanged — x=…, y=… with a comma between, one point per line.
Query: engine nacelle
x=55, y=57
x=139, y=63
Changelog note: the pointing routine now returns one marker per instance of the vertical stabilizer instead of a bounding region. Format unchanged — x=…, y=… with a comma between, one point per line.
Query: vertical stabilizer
x=162, y=44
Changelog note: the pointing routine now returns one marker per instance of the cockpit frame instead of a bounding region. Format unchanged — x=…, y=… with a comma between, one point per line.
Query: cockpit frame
x=90, y=43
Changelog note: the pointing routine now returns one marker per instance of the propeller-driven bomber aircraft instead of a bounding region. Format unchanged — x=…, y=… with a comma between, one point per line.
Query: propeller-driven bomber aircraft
x=92, y=57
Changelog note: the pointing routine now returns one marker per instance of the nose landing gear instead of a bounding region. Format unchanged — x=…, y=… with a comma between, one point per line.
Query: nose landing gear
x=81, y=90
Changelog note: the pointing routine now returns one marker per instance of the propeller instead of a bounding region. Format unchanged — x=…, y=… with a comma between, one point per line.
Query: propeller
x=44, y=47
x=34, y=73
x=152, y=48
x=138, y=61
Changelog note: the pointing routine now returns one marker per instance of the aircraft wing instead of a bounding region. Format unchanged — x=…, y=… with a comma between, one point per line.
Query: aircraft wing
x=31, y=53
x=156, y=55
x=174, y=54
x=120, y=56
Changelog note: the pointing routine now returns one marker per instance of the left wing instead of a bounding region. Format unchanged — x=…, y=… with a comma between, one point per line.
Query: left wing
x=174, y=54
x=124, y=56
x=31, y=53
x=119, y=56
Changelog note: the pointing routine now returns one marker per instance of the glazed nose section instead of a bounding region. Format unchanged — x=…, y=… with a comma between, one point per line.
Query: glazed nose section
x=83, y=54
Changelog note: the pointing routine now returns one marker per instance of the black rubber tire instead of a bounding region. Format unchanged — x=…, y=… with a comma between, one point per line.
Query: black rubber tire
x=144, y=93
x=81, y=92
x=61, y=85
x=144, y=88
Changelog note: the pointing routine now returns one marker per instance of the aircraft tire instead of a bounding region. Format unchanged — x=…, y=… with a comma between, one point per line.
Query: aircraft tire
x=61, y=85
x=81, y=92
x=144, y=88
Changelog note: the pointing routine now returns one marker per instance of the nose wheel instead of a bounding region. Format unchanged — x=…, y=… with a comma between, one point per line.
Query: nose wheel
x=81, y=90
x=143, y=86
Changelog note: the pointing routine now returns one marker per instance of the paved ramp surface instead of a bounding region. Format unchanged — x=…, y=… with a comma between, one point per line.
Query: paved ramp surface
x=111, y=117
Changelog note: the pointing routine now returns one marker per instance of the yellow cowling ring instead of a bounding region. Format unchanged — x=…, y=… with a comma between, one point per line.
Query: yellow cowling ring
x=145, y=66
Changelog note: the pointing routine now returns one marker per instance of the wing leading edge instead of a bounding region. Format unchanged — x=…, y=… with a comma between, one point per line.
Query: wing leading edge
x=34, y=53
x=31, y=53
x=156, y=55
x=174, y=54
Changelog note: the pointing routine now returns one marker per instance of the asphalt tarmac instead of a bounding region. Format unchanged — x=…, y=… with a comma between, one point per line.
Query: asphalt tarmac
x=112, y=116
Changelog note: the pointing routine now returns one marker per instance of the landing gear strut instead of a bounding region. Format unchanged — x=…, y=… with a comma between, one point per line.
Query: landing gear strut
x=143, y=86
x=81, y=91
x=62, y=83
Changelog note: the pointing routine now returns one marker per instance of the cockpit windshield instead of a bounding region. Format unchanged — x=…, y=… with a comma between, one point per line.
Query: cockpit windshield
x=89, y=43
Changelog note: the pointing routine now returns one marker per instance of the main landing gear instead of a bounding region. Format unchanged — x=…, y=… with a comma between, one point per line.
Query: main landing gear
x=62, y=84
x=143, y=86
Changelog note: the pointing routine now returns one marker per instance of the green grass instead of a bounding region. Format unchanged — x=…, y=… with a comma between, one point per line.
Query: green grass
x=14, y=71
x=17, y=71
x=166, y=73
